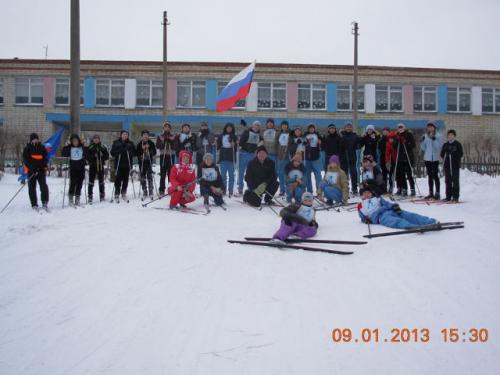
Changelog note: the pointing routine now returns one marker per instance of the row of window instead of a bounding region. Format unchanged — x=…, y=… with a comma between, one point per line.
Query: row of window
x=271, y=95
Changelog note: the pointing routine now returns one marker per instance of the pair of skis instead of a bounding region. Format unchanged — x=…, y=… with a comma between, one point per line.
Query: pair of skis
x=422, y=229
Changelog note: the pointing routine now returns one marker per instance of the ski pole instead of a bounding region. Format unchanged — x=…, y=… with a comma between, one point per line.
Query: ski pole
x=412, y=170
x=395, y=172
x=143, y=182
x=116, y=172
x=274, y=199
x=325, y=206
x=130, y=176
x=154, y=200
x=369, y=229
x=65, y=178
x=272, y=209
x=85, y=184
x=17, y=192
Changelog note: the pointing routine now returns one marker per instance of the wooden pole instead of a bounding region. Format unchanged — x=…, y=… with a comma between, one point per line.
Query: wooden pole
x=74, y=116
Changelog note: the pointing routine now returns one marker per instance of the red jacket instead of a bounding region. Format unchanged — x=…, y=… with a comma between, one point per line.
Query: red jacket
x=390, y=147
x=183, y=174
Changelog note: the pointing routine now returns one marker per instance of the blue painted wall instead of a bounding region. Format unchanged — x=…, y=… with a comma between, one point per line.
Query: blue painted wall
x=331, y=97
x=89, y=92
x=442, y=99
x=211, y=94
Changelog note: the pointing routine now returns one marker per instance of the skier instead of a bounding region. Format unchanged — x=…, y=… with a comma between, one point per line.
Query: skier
x=452, y=153
x=165, y=145
x=431, y=144
x=371, y=174
x=297, y=142
x=270, y=139
x=123, y=151
x=182, y=181
x=186, y=140
x=146, y=152
x=97, y=154
x=334, y=185
x=210, y=181
x=374, y=209
x=283, y=157
x=349, y=143
x=205, y=141
x=299, y=220
x=295, y=182
x=227, y=143
x=391, y=158
x=331, y=144
x=370, y=141
x=261, y=179
x=312, y=157
x=405, y=143
x=35, y=160
x=249, y=140
x=77, y=153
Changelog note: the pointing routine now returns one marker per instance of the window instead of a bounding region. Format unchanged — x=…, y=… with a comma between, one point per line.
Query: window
x=1, y=91
x=29, y=91
x=491, y=100
x=312, y=96
x=424, y=99
x=388, y=98
x=190, y=94
x=149, y=93
x=271, y=95
x=110, y=92
x=344, y=98
x=62, y=91
x=459, y=99
x=240, y=104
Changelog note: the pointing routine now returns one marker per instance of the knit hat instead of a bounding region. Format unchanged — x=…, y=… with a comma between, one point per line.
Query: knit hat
x=366, y=187
x=144, y=132
x=370, y=127
x=123, y=131
x=334, y=159
x=260, y=148
x=243, y=122
x=33, y=136
x=271, y=120
x=96, y=136
x=430, y=123
x=284, y=122
x=332, y=126
x=452, y=131
x=207, y=156
x=347, y=124
x=166, y=123
x=307, y=196
x=368, y=157
x=401, y=125
x=297, y=128
x=256, y=122
x=387, y=128
x=204, y=123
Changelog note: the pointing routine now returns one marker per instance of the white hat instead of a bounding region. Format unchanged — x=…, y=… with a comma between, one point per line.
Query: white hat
x=370, y=127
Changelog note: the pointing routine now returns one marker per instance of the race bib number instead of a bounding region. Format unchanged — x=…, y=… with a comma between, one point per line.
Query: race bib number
x=76, y=153
x=209, y=174
x=331, y=177
x=367, y=175
x=226, y=143
x=204, y=142
x=295, y=174
x=369, y=206
x=253, y=138
x=307, y=213
x=313, y=140
x=283, y=139
x=269, y=135
x=183, y=137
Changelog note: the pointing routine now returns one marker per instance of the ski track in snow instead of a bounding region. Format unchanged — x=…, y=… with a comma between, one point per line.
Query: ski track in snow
x=122, y=289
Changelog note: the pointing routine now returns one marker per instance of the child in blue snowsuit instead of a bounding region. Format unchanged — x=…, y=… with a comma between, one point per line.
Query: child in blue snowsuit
x=295, y=179
x=376, y=210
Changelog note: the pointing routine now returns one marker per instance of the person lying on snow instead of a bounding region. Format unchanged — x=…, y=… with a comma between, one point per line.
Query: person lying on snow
x=182, y=181
x=376, y=210
x=210, y=181
x=334, y=185
x=299, y=220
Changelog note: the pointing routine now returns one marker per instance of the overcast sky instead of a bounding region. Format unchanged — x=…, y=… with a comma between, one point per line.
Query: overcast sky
x=424, y=33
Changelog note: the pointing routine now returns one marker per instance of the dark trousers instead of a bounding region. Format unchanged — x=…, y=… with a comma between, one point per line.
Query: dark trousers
x=147, y=174
x=206, y=192
x=44, y=189
x=76, y=177
x=432, y=168
x=121, y=181
x=255, y=200
x=349, y=167
x=93, y=173
x=404, y=173
x=385, y=172
x=165, y=167
x=452, y=181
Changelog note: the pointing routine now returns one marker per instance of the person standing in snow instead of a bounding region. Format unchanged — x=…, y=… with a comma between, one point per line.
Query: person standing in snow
x=295, y=179
x=334, y=185
x=452, y=153
x=297, y=142
x=283, y=155
x=227, y=143
x=249, y=140
x=405, y=146
x=313, y=157
x=349, y=144
x=210, y=181
x=298, y=220
x=165, y=145
x=182, y=181
x=382, y=145
x=331, y=144
x=431, y=144
x=146, y=152
x=370, y=141
x=35, y=160
x=261, y=179
x=186, y=140
x=205, y=141
x=97, y=154
x=123, y=151
x=76, y=152
x=376, y=210
x=371, y=174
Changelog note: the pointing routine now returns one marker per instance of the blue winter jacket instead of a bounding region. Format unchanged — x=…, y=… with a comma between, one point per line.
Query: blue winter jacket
x=376, y=212
x=431, y=147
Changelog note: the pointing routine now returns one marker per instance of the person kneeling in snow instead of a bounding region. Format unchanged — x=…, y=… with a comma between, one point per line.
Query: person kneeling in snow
x=295, y=181
x=371, y=174
x=334, y=185
x=298, y=220
x=261, y=179
x=210, y=181
x=376, y=210
x=182, y=181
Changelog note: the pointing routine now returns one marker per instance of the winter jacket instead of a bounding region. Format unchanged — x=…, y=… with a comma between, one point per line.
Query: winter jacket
x=313, y=146
x=186, y=142
x=167, y=145
x=183, y=174
x=283, y=145
x=349, y=143
x=249, y=140
x=293, y=173
x=146, y=151
x=452, y=152
x=204, y=142
x=382, y=146
x=373, y=176
x=406, y=143
x=97, y=154
x=373, y=208
x=336, y=177
x=391, y=148
x=302, y=214
x=123, y=153
x=258, y=173
x=296, y=144
x=77, y=155
x=35, y=157
x=227, y=143
x=331, y=145
x=270, y=138
x=431, y=146
x=209, y=176
x=370, y=143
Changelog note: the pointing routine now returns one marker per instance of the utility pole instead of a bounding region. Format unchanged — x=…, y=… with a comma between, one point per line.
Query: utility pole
x=46, y=48
x=165, y=23
x=355, y=30
x=74, y=82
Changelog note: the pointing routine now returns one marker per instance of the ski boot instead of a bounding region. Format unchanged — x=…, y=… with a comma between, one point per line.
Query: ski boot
x=430, y=196
x=45, y=207
x=102, y=198
x=77, y=201
x=71, y=202
x=277, y=241
x=124, y=197
x=404, y=192
x=413, y=193
x=117, y=198
x=35, y=207
x=90, y=199
x=437, y=196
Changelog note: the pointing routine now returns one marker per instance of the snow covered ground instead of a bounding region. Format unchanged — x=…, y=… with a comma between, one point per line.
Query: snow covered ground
x=122, y=289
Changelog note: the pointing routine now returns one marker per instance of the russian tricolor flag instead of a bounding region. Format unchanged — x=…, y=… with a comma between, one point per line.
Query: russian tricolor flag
x=236, y=89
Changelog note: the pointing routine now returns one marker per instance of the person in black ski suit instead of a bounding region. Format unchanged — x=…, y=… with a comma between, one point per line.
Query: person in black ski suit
x=370, y=141
x=331, y=144
x=261, y=179
x=35, y=160
x=123, y=151
x=146, y=152
x=349, y=143
x=76, y=152
x=166, y=147
x=371, y=174
x=186, y=140
x=97, y=154
x=405, y=144
x=452, y=153
x=210, y=180
x=205, y=141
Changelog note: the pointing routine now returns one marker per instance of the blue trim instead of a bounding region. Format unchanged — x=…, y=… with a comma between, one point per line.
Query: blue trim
x=211, y=94
x=89, y=92
x=179, y=119
x=331, y=97
x=442, y=99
